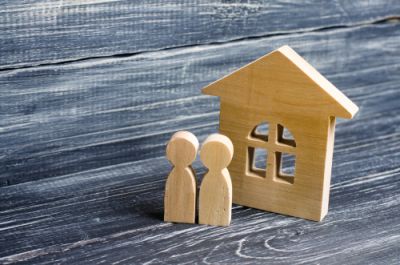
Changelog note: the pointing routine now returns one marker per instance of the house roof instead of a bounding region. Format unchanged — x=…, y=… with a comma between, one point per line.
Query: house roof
x=340, y=105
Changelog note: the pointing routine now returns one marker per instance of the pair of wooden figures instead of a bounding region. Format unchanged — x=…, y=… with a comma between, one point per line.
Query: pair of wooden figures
x=215, y=199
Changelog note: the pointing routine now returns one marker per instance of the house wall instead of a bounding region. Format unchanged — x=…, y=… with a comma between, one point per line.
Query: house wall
x=328, y=164
x=306, y=197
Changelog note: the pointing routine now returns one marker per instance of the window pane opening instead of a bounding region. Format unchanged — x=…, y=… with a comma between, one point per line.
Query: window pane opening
x=286, y=165
x=285, y=136
x=257, y=163
x=261, y=131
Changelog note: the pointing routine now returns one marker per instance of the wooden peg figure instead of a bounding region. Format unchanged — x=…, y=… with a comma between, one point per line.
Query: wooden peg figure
x=180, y=189
x=215, y=202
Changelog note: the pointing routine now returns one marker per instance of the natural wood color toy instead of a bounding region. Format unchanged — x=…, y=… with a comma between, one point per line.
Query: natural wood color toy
x=283, y=91
x=215, y=201
x=180, y=189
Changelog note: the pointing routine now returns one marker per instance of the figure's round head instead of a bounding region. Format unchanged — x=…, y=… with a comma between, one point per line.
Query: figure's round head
x=182, y=148
x=216, y=151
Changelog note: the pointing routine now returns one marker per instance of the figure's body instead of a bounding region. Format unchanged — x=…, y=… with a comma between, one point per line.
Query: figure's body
x=215, y=202
x=180, y=196
x=180, y=189
x=216, y=199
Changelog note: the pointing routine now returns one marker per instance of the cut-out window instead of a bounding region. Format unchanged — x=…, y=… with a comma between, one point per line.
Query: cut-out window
x=278, y=143
x=261, y=131
x=286, y=164
x=257, y=161
x=285, y=136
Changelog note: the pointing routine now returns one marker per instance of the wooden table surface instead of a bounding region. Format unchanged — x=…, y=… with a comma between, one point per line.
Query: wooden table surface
x=92, y=90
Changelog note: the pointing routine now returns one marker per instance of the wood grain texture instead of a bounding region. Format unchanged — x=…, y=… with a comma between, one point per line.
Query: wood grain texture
x=180, y=188
x=215, y=200
x=63, y=119
x=41, y=31
x=283, y=90
x=114, y=214
x=83, y=172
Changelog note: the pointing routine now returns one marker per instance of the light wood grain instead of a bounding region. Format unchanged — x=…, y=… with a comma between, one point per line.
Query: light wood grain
x=215, y=200
x=180, y=188
x=285, y=91
x=43, y=32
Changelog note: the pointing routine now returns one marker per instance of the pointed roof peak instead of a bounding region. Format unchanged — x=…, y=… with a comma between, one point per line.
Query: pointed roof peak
x=320, y=80
x=347, y=108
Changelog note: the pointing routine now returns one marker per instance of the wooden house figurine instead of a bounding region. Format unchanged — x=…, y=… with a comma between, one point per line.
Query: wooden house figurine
x=283, y=92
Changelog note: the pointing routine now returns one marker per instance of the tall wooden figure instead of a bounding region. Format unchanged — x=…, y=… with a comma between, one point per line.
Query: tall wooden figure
x=180, y=189
x=215, y=202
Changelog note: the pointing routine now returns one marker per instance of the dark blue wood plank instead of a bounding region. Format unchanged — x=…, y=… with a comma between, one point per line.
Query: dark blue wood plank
x=114, y=214
x=81, y=149
x=41, y=32
x=76, y=117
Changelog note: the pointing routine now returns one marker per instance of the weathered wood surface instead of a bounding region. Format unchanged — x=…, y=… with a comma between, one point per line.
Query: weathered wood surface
x=69, y=118
x=114, y=214
x=40, y=31
x=83, y=170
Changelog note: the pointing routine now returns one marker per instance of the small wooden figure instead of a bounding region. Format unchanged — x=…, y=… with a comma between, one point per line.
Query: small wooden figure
x=215, y=202
x=283, y=92
x=180, y=189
